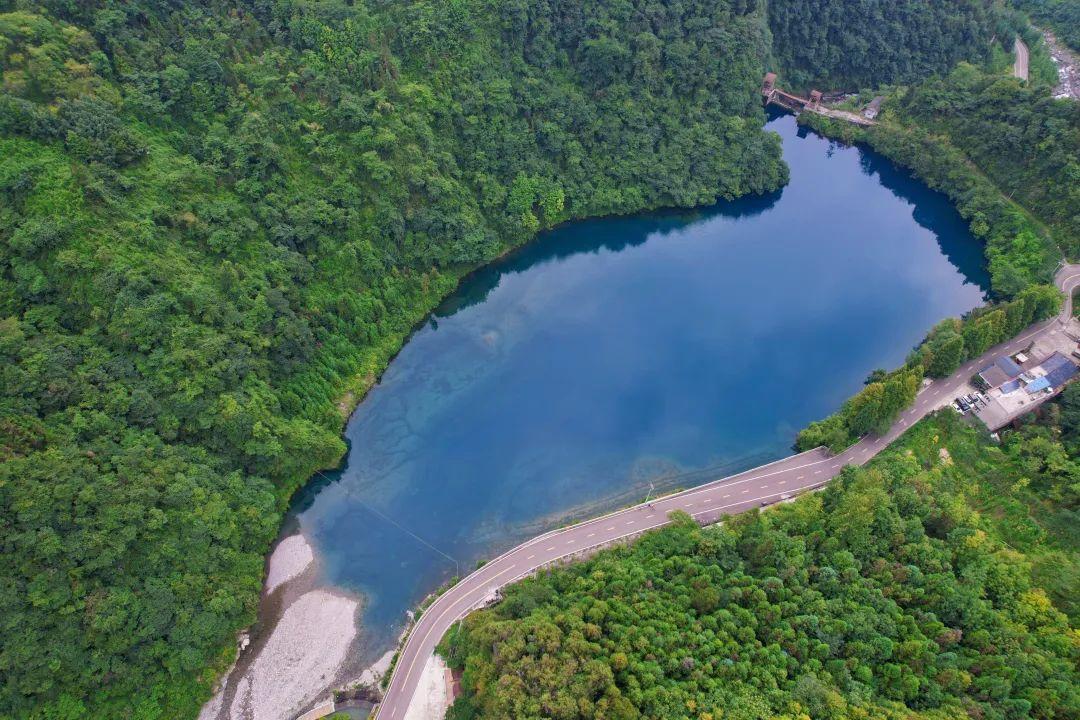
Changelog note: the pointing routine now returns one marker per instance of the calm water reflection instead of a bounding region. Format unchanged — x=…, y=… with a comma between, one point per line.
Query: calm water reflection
x=672, y=348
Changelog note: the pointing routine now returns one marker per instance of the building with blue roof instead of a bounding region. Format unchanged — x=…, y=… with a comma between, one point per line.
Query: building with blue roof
x=1000, y=372
x=1039, y=383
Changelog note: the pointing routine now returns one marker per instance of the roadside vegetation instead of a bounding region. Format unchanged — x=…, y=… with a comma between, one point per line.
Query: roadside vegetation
x=911, y=588
x=833, y=44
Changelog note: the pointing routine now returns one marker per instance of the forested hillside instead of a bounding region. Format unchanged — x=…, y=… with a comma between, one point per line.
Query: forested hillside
x=888, y=595
x=845, y=45
x=216, y=219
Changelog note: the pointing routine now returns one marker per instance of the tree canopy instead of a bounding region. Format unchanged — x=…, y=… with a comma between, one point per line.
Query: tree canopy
x=845, y=45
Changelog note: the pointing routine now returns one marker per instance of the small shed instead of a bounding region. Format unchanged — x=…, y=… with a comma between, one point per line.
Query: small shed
x=873, y=108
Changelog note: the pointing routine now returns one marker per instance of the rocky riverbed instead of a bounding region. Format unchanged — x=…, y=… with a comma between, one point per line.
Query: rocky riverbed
x=300, y=649
x=1068, y=66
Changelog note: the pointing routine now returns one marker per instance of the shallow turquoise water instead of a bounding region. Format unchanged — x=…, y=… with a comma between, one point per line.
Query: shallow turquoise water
x=670, y=347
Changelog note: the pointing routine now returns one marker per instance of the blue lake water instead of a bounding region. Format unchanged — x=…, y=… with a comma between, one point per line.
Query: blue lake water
x=670, y=347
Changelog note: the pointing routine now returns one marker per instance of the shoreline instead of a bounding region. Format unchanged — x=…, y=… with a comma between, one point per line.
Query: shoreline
x=300, y=648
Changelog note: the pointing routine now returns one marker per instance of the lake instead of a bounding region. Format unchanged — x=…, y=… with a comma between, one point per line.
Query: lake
x=666, y=349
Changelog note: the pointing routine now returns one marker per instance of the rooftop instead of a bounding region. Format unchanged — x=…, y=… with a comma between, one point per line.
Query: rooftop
x=1000, y=371
x=1006, y=402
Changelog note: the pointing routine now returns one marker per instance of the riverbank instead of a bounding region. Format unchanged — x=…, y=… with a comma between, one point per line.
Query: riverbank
x=300, y=648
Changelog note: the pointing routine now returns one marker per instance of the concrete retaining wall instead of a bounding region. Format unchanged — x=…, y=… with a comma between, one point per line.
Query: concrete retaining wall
x=326, y=707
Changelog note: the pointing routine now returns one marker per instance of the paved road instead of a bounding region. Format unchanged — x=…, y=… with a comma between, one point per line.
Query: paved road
x=707, y=503
x=1020, y=66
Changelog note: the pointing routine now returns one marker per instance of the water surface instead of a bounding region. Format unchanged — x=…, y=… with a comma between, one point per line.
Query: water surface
x=669, y=348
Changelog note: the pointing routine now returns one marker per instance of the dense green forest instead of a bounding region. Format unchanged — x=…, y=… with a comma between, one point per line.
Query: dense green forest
x=219, y=220
x=906, y=589
x=216, y=219
x=839, y=44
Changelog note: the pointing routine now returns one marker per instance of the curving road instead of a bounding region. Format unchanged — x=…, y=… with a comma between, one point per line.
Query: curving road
x=706, y=503
x=1020, y=65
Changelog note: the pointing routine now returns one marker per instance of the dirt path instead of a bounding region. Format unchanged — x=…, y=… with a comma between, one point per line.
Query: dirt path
x=1020, y=67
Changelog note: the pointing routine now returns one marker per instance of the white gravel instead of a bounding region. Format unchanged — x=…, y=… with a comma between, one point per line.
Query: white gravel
x=300, y=659
x=291, y=557
x=211, y=709
x=432, y=696
x=373, y=675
